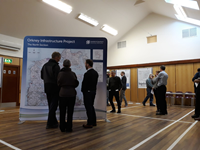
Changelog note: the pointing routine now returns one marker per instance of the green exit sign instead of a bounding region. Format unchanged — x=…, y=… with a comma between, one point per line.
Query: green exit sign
x=8, y=61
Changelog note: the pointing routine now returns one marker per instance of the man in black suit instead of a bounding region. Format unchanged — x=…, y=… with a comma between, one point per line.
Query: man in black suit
x=49, y=74
x=114, y=87
x=89, y=87
x=122, y=92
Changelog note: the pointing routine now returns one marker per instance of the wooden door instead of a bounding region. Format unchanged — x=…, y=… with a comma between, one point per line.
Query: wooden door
x=10, y=84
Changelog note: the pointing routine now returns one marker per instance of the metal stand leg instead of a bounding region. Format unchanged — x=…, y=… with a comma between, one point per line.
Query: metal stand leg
x=192, y=101
x=182, y=101
x=172, y=100
x=21, y=122
x=107, y=120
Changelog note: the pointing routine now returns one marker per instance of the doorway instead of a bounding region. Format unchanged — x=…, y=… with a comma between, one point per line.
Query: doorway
x=10, y=90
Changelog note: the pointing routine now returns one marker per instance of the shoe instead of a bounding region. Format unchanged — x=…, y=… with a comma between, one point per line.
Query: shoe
x=112, y=111
x=198, y=119
x=143, y=104
x=159, y=113
x=195, y=116
x=126, y=106
x=108, y=104
x=94, y=125
x=119, y=112
x=69, y=130
x=152, y=105
x=87, y=126
x=52, y=127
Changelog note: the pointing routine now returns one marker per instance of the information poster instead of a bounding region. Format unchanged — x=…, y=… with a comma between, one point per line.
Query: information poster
x=128, y=76
x=38, y=50
x=143, y=75
x=1, y=71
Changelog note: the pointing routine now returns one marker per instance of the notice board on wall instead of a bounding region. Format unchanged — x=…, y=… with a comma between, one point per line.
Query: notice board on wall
x=143, y=75
x=38, y=50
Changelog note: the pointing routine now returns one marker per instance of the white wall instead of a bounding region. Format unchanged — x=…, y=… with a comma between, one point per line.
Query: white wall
x=170, y=45
x=11, y=52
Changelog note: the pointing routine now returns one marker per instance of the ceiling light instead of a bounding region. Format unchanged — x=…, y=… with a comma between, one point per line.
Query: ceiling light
x=109, y=29
x=184, y=3
x=59, y=5
x=88, y=19
x=179, y=10
x=189, y=20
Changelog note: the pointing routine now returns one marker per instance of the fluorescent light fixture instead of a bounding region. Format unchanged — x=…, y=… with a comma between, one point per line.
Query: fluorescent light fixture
x=179, y=10
x=189, y=20
x=109, y=29
x=184, y=3
x=59, y=5
x=88, y=19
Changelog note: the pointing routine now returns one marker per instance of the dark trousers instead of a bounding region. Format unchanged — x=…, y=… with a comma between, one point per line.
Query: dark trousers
x=89, y=98
x=66, y=103
x=157, y=101
x=161, y=98
x=52, y=99
x=149, y=95
x=197, y=105
x=116, y=94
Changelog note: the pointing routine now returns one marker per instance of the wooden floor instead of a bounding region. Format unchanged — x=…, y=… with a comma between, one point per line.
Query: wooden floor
x=136, y=124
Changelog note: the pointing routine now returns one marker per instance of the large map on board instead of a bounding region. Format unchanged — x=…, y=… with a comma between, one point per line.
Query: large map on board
x=37, y=57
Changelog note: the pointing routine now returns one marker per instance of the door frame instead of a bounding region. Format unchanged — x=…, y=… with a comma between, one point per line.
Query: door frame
x=18, y=79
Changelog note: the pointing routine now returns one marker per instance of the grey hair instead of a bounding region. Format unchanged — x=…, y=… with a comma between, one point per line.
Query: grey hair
x=66, y=63
x=113, y=71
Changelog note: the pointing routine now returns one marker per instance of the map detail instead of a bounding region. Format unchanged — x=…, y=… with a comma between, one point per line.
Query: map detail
x=37, y=57
x=97, y=54
x=99, y=68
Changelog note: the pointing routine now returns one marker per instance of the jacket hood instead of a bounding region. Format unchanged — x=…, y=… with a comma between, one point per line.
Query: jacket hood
x=65, y=69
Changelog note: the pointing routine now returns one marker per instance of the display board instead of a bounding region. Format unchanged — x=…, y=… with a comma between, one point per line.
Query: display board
x=1, y=71
x=143, y=75
x=38, y=50
x=128, y=76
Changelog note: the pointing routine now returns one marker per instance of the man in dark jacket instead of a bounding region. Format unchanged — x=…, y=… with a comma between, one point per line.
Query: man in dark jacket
x=197, y=90
x=67, y=81
x=49, y=74
x=89, y=87
x=122, y=92
x=107, y=81
x=114, y=87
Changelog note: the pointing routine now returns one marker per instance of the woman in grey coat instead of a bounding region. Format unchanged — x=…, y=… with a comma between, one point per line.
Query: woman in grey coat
x=155, y=86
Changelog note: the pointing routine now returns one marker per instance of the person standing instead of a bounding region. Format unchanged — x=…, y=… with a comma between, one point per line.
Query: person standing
x=161, y=90
x=196, y=80
x=114, y=87
x=122, y=91
x=155, y=86
x=89, y=87
x=107, y=81
x=49, y=74
x=67, y=81
x=149, y=89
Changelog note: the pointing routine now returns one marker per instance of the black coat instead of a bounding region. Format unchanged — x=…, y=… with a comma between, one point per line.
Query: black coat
x=67, y=81
x=124, y=80
x=115, y=84
x=49, y=74
x=90, y=81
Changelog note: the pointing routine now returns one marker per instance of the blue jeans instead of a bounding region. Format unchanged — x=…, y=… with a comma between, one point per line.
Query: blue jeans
x=149, y=95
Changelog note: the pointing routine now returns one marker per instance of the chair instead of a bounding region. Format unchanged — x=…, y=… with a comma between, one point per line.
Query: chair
x=179, y=95
x=189, y=97
x=170, y=96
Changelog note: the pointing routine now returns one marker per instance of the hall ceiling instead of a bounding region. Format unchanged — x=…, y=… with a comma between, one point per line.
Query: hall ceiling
x=19, y=18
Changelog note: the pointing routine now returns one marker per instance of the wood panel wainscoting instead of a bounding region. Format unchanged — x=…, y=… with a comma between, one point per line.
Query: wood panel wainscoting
x=180, y=77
